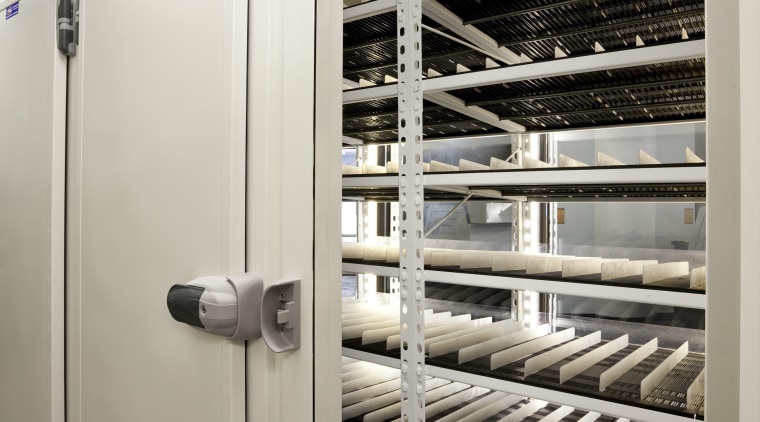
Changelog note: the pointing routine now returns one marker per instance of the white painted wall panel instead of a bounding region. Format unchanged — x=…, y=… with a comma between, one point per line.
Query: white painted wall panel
x=32, y=154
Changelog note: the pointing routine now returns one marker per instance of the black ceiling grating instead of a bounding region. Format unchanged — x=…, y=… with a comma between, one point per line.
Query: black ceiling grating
x=379, y=124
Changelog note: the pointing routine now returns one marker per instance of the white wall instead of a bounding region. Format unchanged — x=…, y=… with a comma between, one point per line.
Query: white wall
x=633, y=225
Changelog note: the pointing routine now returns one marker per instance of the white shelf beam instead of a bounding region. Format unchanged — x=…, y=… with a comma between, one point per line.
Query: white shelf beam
x=372, y=358
x=370, y=269
x=370, y=181
x=368, y=9
x=576, y=400
x=599, y=291
x=371, y=93
x=572, y=65
x=564, y=176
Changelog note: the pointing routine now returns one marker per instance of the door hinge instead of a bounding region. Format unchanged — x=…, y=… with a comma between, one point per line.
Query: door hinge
x=68, y=26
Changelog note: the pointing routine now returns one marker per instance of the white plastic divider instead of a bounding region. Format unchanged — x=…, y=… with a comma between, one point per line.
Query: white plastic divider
x=545, y=359
x=494, y=345
x=571, y=369
x=626, y=364
x=655, y=377
x=528, y=348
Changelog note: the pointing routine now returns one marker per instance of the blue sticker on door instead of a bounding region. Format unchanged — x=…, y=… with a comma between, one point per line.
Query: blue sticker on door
x=11, y=11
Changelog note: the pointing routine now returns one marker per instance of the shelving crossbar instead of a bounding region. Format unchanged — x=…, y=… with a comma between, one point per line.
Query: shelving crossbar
x=568, y=66
x=695, y=300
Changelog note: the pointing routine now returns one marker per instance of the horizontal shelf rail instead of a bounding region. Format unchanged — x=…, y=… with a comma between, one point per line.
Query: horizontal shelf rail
x=601, y=61
x=371, y=357
x=368, y=9
x=658, y=174
x=697, y=300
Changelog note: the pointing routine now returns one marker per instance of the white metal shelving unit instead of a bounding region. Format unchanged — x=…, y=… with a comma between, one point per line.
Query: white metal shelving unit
x=411, y=183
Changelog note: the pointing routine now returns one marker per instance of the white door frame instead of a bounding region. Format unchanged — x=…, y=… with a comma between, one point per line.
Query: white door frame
x=733, y=226
x=327, y=210
x=280, y=207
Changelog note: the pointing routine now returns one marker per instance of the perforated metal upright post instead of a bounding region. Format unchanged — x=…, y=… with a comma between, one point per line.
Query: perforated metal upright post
x=412, y=275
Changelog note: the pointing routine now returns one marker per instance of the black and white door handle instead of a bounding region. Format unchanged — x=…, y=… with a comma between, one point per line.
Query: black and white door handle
x=240, y=308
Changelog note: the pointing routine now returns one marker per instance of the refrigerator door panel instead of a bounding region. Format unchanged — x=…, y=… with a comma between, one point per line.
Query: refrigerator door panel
x=156, y=197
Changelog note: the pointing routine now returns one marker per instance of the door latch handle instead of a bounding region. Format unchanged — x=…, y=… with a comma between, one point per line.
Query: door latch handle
x=226, y=306
x=240, y=308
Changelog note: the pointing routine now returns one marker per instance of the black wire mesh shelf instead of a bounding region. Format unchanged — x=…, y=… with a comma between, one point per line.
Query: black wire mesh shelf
x=662, y=92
